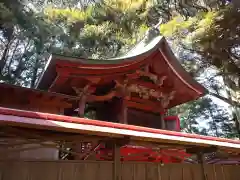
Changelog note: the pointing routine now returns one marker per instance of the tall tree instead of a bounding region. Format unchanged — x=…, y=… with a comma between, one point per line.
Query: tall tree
x=30, y=32
x=212, y=37
x=205, y=117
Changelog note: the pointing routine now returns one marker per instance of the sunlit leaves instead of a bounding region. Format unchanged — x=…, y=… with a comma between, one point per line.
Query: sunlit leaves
x=192, y=29
x=210, y=39
x=111, y=26
x=72, y=15
x=125, y=5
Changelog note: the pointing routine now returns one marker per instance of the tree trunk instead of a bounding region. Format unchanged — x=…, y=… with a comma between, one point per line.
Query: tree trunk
x=4, y=57
x=235, y=107
x=237, y=124
x=34, y=77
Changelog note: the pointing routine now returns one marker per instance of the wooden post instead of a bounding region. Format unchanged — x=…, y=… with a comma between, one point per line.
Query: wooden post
x=125, y=96
x=116, y=161
x=201, y=161
x=159, y=171
x=81, y=105
x=123, y=113
x=163, y=124
x=82, y=99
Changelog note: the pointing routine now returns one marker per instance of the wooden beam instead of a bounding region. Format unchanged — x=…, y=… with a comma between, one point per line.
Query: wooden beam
x=146, y=101
x=146, y=107
x=59, y=80
x=45, y=101
x=82, y=93
x=195, y=150
x=109, y=96
x=146, y=84
x=93, y=80
x=155, y=145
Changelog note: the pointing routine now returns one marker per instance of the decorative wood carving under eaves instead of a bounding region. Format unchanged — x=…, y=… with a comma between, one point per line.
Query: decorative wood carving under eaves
x=125, y=90
x=153, y=77
x=147, y=93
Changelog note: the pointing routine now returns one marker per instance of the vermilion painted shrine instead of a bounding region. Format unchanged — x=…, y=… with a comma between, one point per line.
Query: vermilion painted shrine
x=128, y=98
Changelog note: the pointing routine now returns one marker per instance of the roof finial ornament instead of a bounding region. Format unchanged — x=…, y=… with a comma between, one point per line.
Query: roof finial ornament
x=158, y=24
x=153, y=32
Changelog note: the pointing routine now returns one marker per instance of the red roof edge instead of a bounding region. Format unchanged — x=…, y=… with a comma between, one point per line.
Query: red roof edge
x=46, y=116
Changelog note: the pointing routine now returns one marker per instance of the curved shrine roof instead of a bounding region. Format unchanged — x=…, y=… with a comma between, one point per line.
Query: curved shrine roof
x=157, y=54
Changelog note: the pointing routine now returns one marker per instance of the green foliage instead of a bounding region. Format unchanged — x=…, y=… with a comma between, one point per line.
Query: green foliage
x=205, y=117
x=125, y=5
x=69, y=27
x=195, y=27
x=211, y=41
x=71, y=15
x=214, y=36
x=110, y=27
x=97, y=30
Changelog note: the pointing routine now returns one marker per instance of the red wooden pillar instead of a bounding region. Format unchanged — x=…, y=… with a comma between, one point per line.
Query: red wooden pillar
x=123, y=112
x=163, y=124
x=125, y=96
x=81, y=105
x=83, y=94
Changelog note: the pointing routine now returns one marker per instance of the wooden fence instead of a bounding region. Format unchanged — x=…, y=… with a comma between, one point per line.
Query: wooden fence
x=87, y=170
